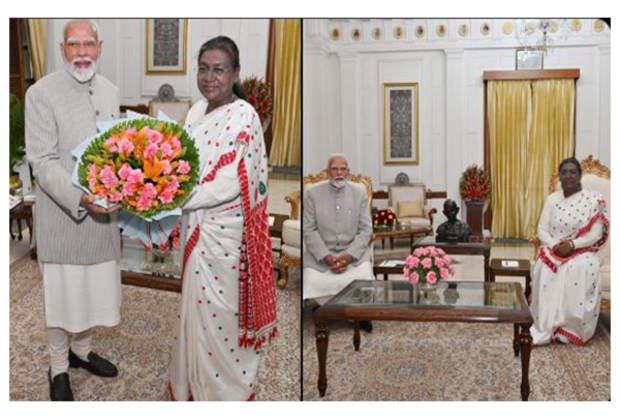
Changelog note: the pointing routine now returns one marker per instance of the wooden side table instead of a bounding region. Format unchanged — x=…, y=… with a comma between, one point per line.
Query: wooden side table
x=22, y=211
x=523, y=270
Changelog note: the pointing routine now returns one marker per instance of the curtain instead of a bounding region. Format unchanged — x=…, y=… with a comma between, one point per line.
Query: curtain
x=286, y=150
x=531, y=131
x=37, y=31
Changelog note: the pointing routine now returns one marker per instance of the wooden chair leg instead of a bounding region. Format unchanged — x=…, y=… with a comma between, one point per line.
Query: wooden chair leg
x=284, y=263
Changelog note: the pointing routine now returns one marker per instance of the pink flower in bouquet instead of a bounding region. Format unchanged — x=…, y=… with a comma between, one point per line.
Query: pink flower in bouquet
x=150, y=151
x=166, y=196
x=108, y=177
x=176, y=144
x=146, y=199
x=184, y=167
x=131, y=132
x=166, y=149
x=441, y=252
x=174, y=183
x=440, y=262
x=130, y=188
x=427, y=262
x=167, y=167
x=447, y=259
x=444, y=273
x=433, y=251
x=406, y=271
x=136, y=176
x=94, y=170
x=431, y=277
x=111, y=144
x=452, y=270
x=125, y=171
x=126, y=146
x=418, y=252
x=92, y=184
x=154, y=136
x=414, y=277
x=164, y=246
x=176, y=242
x=115, y=197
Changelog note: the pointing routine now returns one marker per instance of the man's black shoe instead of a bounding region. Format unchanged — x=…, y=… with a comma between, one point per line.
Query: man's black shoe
x=60, y=387
x=366, y=326
x=96, y=365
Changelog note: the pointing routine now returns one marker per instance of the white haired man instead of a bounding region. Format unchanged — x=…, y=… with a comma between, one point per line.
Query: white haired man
x=78, y=242
x=337, y=232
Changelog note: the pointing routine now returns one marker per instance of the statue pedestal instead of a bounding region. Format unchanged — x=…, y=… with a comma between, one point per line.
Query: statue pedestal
x=474, y=216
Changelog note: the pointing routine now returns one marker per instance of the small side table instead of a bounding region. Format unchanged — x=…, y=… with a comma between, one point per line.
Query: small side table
x=22, y=211
x=523, y=270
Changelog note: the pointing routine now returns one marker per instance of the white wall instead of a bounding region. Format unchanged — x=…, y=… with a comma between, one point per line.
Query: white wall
x=124, y=46
x=343, y=102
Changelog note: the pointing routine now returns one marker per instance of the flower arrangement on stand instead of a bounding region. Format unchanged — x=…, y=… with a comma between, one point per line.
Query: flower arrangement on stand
x=258, y=93
x=148, y=166
x=428, y=265
x=475, y=184
x=384, y=218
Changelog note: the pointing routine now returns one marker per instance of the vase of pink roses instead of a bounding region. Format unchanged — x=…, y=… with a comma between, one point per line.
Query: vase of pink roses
x=427, y=266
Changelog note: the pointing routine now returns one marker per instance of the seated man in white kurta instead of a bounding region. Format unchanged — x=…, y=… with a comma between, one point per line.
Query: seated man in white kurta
x=337, y=232
x=78, y=242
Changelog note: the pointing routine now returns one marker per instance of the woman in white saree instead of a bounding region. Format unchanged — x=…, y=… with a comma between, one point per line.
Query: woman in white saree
x=573, y=228
x=228, y=307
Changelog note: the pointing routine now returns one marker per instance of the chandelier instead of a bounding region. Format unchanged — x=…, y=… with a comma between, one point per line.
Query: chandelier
x=542, y=33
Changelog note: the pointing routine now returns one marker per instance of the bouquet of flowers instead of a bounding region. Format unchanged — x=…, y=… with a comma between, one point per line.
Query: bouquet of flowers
x=258, y=92
x=428, y=265
x=475, y=184
x=147, y=165
x=172, y=242
x=384, y=217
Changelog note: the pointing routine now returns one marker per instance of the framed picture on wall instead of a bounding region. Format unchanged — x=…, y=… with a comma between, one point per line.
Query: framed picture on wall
x=529, y=59
x=166, y=46
x=401, y=124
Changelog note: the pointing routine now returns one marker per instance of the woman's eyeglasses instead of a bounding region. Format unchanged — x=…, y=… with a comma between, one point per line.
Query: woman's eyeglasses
x=216, y=71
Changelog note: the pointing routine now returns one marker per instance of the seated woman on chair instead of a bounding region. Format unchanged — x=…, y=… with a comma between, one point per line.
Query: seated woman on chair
x=573, y=228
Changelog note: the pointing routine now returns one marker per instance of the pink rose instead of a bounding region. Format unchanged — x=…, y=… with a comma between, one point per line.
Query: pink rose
x=131, y=132
x=174, y=184
x=414, y=278
x=136, y=176
x=441, y=252
x=433, y=251
x=125, y=171
x=447, y=259
x=427, y=262
x=149, y=190
x=418, y=252
x=406, y=271
x=126, y=146
x=431, y=277
x=440, y=262
x=145, y=202
x=184, y=167
x=443, y=273
x=111, y=144
x=129, y=189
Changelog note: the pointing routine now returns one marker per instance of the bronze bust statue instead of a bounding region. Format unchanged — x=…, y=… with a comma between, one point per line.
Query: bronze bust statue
x=453, y=230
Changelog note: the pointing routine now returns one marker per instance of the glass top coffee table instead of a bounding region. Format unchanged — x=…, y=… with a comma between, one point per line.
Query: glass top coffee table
x=483, y=302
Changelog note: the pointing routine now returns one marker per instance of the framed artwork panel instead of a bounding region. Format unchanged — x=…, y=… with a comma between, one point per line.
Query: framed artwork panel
x=166, y=46
x=401, y=123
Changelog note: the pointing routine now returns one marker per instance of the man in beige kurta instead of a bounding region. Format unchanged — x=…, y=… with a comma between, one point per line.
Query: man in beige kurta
x=78, y=242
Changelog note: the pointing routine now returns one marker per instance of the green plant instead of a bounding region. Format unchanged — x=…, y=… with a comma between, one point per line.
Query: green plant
x=17, y=133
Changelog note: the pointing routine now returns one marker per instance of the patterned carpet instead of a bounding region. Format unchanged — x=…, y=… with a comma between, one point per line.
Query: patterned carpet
x=140, y=345
x=402, y=361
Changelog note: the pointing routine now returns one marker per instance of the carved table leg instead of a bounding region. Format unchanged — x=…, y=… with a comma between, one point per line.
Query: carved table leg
x=284, y=263
x=526, y=346
x=321, y=348
x=356, y=336
x=487, y=270
x=528, y=288
x=515, y=342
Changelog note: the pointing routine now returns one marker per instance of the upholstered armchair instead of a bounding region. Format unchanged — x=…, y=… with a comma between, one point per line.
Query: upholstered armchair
x=291, y=230
x=409, y=203
x=595, y=177
x=290, y=255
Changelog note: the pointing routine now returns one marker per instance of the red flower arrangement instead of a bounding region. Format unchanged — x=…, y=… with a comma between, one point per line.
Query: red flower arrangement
x=475, y=184
x=259, y=96
x=385, y=217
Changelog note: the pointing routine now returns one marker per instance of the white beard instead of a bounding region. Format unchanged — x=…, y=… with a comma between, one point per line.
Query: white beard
x=338, y=183
x=80, y=74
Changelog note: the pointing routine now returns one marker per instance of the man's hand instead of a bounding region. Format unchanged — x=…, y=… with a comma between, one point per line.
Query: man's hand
x=563, y=249
x=330, y=260
x=88, y=202
x=341, y=264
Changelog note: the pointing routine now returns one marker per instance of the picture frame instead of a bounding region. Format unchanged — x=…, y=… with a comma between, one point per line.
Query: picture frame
x=401, y=123
x=166, y=46
x=529, y=59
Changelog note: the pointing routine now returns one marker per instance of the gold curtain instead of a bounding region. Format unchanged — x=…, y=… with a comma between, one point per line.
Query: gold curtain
x=286, y=150
x=37, y=38
x=531, y=131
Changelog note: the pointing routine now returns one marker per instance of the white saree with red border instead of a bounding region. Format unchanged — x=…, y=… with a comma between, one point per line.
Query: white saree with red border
x=228, y=308
x=567, y=291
